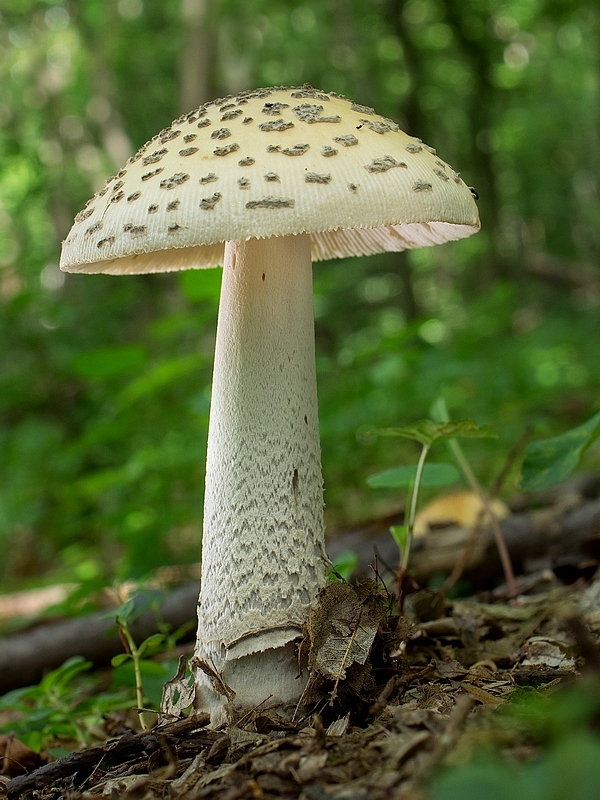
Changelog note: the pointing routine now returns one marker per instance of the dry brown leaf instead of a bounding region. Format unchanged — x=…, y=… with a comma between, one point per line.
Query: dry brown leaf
x=480, y=694
x=548, y=652
x=16, y=758
x=177, y=694
x=214, y=677
x=342, y=628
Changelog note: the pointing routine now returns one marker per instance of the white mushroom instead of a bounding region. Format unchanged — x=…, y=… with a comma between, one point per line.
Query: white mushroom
x=264, y=183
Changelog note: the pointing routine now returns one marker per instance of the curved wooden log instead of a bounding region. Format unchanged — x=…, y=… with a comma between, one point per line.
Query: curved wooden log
x=27, y=656
x=562, y=537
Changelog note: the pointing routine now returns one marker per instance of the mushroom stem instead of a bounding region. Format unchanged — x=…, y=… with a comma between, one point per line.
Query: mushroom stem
x=263, y=557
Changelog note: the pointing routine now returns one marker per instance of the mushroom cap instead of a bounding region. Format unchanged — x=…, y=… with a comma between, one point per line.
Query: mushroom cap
x=270, y=162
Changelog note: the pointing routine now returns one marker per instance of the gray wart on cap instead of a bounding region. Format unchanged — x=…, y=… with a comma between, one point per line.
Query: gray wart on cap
x=333, y=168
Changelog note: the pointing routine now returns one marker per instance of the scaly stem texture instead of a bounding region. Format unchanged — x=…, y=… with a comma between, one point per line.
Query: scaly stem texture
x=263, y=558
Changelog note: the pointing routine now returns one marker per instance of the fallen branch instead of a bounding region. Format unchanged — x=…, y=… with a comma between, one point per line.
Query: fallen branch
x=560, y=537
x=26, y=657
x=81, y=764
x=564, y=536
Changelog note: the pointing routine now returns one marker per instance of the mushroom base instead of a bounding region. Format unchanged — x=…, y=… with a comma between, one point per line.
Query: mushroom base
x=263, y=557
x=267, y=680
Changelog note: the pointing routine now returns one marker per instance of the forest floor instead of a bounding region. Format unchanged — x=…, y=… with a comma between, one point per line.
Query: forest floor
x=393, y=701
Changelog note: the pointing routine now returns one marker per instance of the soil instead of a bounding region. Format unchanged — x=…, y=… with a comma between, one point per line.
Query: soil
x=383, y=713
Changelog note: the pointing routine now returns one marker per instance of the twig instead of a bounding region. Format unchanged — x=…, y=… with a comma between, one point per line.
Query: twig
x=385, y=695
x=242, y=720
x=111, y=754
x=458, y=454
x=500, y=543
x=390, y=597
x=511, y=458
x=465, y=556
x=467, y=551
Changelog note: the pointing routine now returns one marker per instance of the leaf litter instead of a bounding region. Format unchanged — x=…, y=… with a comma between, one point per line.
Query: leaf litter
x=388, y=699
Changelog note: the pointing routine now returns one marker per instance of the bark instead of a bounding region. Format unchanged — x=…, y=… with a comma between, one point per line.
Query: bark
x=480, y=107
x=484, y=102
x=415, y=124
x=82, y=764
x=199, y=55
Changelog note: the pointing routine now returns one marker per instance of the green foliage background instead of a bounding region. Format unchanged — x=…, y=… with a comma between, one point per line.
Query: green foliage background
x=105, y=382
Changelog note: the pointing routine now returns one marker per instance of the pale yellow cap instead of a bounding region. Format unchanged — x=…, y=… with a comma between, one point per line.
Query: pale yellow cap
x=456, y=508
x=270, y=162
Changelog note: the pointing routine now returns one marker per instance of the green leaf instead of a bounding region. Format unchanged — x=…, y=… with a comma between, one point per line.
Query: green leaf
x=435, y=474
x=58, y=752
x=119, y=659
x=474, y=781
x=13, y=698
x=427, y=432
x=344, y=565
x=152, y=642
x=109, y=362
x=550, y=461
x=400, y=534
x=34, y=740
x=59, y=678
x=154, y=675
x=122, y=614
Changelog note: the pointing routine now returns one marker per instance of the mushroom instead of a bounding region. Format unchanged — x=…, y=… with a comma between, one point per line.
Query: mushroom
x=265, y=182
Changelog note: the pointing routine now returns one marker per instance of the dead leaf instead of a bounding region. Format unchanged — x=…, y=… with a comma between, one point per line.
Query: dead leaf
x=543, y=651
x=310, y=767
x=16, y=758
x=480, y=694
x=342, y=628
x=455, y=508
x=450, y=668
x=177, y=694
x=339, y=726
x=243, y=738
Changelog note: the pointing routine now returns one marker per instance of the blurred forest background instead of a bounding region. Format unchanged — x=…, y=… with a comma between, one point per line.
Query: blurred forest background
x=105, y=382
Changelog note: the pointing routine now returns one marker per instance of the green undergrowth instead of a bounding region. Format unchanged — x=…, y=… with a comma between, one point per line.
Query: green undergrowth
x=66, y=710
x=543, y=745
x=69, y=708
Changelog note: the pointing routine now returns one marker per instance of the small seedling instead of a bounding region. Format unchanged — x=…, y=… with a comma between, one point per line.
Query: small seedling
x=427, y=433
x=440, y=412
x=343, y=567
x=123, y=616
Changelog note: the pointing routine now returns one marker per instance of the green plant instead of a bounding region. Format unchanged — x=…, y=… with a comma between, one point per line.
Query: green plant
x=550, y=461
x=427, y=433
x=137, y=654
x=440, y=412
x=65, y=707
x=344, y=565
